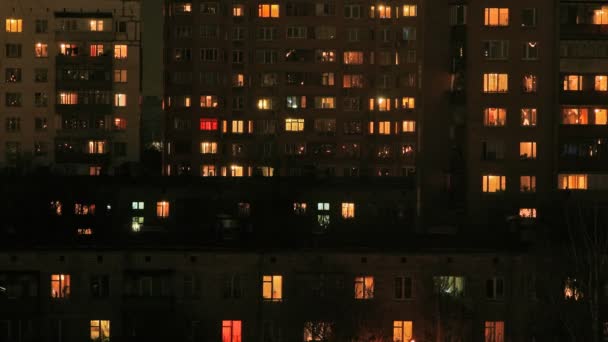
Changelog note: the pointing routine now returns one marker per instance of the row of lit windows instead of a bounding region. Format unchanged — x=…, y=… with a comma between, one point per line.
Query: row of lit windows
x=381, y=104
x=575, y=82
x=497, y=183
x=41, y=50
x=350, y=150
x=15, y=25
x=497, y=117
x=270, y=10
x=72, y=98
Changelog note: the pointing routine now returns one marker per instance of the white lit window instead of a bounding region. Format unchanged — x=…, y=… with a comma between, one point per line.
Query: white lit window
x=120, y=100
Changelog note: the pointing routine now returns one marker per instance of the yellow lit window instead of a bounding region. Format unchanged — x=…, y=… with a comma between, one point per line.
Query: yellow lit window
x=209, y=101
x=162, y=209
x=14, y=25
x=137, y=222
x=120, y=76
x=208, y=147
x=353, y=57
x=410, y=10
x=272, y=288
x=494, y=331
x=348, y=210
x=408, y=103
x=403, y=331
x=208, y=171
x=325, y=102
x=601, y=83
x=96, y=50
x=527, y=212
x=495, y=83
x=67, y=98
x=100, y=330
x=384, y=104
x=294, y=125
x=371, y=127
x=120, y=51
x=494, y=117
x=384, y=127
x=268, y=10
x=364, y=287
x=408, y=126
x=491, y=183
x=120, y=100
x=600, y=116
x=60, y=286
x=96, y=25
x=265, y=103
x=236, y=171
x=572, y=182
x=527, y=150
x=527, y=183
x=575, y=116
x=41, y=50
x=96, y=147
x=237, y=126
x=231, y=331
x=384, y=12
x=496, y=17
x=238, y=10
x=573, y=82
x=572, y=289
x=600, y=16
x=238, y=80
x=528, y=117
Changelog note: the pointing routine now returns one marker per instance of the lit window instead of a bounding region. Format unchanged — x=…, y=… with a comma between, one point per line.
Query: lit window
x=84, y=231
x=403, y=331
x=120, y=51
x=495, y=83
x=572, y=289
x=572, y=182
x=323, y=218
x=348, y=210
x=68, y=49
x=272, y=288
x=528, y=117
x=294, y=125
x=384, y=127
x=236, y=171
x=317, y=331
x=325, y=102
x=575, y=116
x=238, y=10
x=529, y=84
x=494, y=331
x=325, y=55
x=208, y=124
x=137, y=205
x=56, y=207
x=238, y=80
x=600, y=116
x=527, y=150
x=296, y=102
x=120, y=76
x=601, y=83
x=41, y=50
x=410, y=10
x=268, y=10
x=494, y=117
x=162, y=209
x=208, y=171
x=120, y=100
x=84, y=209
x=496, y=17
x=408, y=103
x=364, y=287
x=493, y=183
x=14, y=25
x=408, y=126
x=100, y=330
x=96, y=25
x=208, y=147
x=237, y=126
x=96, y=147
x=231, y=331
x=209, y=101
x=527, y=183
x=384, y=12
x=573, y=83
x=449, y=285
x=67, y=98
x=527, y=212
x=119, y=124
x=600, y=16
x=264, y=103
x=352, y=81
x=60, y=286
x=299, y=208
x=137, y=222
x=96, y=50
x=353, y=57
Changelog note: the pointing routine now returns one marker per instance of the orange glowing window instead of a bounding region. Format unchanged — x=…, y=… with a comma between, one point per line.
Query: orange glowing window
x=573, y=83
x=268, y=10
x=601, y=83
x=14, y=25
x=119, y=124
x=96, y=50
x=209, y=101
x=100, y=330
x=272, y=288
x=495, y=83
x=231, y=331
x=403, y=331
x=575, y=116
x=496, y=17
x=348, y=210
x=493, y=183
x=364, y=287
x=494, y=331
x=208, y=124
x=60, y=286
x=162, y=209
x=572, y=182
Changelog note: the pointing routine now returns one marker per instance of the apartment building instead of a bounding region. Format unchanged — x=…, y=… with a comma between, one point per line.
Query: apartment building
x=72, y=82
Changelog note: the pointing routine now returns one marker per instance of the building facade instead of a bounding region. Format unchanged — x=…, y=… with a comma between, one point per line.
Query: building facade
x=72, y=85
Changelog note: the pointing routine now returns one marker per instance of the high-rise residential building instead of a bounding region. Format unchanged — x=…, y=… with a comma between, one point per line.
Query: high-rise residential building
x=70, y=99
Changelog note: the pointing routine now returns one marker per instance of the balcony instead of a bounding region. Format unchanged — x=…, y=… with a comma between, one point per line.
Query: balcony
x=574, y=31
